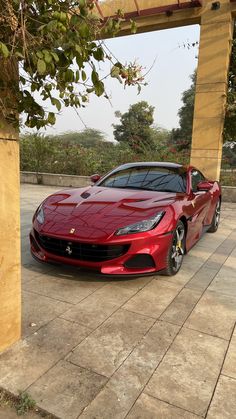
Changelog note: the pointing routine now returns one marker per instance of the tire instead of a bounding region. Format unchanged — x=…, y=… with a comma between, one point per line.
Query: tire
x=176, y=251
x=216, y=219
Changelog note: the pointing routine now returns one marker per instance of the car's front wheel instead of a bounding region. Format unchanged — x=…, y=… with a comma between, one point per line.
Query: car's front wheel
x=176, y=251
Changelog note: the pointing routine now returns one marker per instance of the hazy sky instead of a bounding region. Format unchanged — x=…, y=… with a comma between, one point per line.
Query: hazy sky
x=167, y=80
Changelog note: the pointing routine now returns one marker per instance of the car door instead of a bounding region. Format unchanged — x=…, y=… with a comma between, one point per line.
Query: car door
x=201, y=201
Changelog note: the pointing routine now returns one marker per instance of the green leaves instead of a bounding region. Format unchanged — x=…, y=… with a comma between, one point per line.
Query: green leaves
x=98, y=54
x=39, y=54
x=77, y=76
x=60, y=47
x=90, y=90
x=47, y=57
x=94, y=77
x=55, y=56
x=98, y=84
x=51, y=118
x=84, y=76
x=41, y=66
x=74, y=20
x=62, y=17
x=56, y=103
x=4, y=50
x=78, y=49
x=99, y=88
x=69, y=75
x=84, y=30
x=115, y=73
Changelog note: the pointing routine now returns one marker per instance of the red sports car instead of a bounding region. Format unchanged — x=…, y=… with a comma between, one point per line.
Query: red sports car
x=139, y=218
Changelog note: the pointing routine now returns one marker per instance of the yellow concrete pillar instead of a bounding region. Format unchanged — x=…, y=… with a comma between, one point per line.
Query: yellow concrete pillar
x=10, y=291
x=211, y=89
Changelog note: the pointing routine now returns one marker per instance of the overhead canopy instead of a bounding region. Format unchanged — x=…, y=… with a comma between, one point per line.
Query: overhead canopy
x=136, y=8
x=152, y=15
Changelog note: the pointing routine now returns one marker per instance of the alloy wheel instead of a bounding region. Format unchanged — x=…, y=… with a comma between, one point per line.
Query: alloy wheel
x=217, y=214
x=178, y=248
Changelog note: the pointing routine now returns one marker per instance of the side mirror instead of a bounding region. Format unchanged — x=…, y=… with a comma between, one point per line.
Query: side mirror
x=95, y=178
x=204, y=186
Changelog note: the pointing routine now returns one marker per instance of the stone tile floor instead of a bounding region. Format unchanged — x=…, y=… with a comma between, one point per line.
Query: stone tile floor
x=150, y=347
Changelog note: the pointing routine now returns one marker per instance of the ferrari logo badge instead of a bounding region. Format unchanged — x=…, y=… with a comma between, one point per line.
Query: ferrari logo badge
x=72, y=231
x=69, y=250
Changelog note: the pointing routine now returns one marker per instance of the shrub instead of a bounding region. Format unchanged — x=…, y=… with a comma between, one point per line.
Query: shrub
x=56, y=154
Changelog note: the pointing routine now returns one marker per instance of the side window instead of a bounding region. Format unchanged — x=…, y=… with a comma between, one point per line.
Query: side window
x=196, y=177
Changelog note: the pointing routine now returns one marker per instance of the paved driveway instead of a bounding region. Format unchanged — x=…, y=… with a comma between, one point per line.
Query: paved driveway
x=150, y=347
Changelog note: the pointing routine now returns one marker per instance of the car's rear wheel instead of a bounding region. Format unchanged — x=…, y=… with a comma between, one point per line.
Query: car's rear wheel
x=176, y=251
x=216, y=219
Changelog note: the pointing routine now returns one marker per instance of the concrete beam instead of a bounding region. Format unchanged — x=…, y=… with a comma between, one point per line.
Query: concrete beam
x=211, y=92
x=153, y=14
x=10, y=289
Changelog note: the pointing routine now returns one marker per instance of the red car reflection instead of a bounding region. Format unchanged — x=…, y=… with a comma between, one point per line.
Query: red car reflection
x=139, y=218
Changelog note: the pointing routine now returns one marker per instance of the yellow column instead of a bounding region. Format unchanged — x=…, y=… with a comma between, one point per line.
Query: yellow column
x=211, y=89
x=10, y=291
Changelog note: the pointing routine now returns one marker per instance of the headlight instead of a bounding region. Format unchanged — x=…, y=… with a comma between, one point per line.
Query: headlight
x=141, y=226
x=40, y=214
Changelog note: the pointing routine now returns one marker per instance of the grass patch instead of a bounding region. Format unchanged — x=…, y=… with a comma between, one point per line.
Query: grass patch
x=22, y=404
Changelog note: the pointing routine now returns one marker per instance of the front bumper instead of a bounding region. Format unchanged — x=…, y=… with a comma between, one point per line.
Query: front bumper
x=146, y=253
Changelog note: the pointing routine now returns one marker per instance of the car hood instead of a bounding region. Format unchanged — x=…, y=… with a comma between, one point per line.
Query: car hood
x=95, y=213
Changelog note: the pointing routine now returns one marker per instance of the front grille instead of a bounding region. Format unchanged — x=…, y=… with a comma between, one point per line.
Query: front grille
x=80, y=251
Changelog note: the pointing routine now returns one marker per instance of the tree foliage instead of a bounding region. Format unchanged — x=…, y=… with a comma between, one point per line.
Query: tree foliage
x=135, y=127
x=87, y=138
x=182, y=136
x=54, y=43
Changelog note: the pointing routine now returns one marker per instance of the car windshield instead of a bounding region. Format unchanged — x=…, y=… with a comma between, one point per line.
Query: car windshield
x=160, y=179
